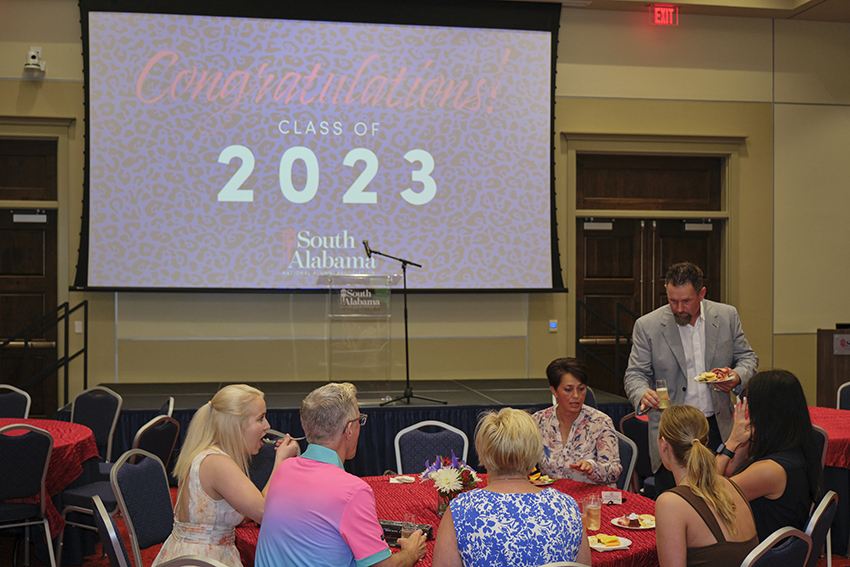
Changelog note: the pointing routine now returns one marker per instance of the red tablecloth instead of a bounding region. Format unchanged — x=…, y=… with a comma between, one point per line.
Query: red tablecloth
x=393, y=500
x=73, y=444
x=836, y=422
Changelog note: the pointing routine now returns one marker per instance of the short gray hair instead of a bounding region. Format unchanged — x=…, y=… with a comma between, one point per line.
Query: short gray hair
x=326, y=411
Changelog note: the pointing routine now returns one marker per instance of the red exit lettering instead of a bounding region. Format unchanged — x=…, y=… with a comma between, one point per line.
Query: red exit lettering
x=662, y=15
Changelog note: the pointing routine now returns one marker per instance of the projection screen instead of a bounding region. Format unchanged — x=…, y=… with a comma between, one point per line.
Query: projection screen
x=257, y=153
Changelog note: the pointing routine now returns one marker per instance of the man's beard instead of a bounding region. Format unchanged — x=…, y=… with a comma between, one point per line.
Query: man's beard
x=682, y=320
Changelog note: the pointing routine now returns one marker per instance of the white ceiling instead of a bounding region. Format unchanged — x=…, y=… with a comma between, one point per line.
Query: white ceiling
x=812, y=10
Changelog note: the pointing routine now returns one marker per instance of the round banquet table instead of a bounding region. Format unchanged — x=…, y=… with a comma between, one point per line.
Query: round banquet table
x=393, y=500
x=73, y=444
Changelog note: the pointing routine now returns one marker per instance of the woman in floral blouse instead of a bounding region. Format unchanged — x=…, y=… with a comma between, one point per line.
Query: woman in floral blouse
x=579, y=442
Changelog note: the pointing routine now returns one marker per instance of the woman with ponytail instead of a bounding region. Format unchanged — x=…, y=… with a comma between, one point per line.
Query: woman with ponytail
x=705, y=519
x=215, y=493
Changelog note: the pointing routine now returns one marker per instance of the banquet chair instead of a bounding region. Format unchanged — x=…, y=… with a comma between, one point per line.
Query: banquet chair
x=590, y=398
x=638, y=431
x=14, y=402
x=25, y=476
x=843, y=397
x=414, y=447
x=818, y=528
x=144, y=499
x=98, y=409
x=158, y=436
x=78, y=502
x=116, y=551
x=628, y=456
x=786, y=547
x=821, y=440
x=113, y=544
x=261, y=465
x=168, y=407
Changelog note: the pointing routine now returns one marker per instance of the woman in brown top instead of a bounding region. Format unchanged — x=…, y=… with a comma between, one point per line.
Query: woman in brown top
x=705, y=520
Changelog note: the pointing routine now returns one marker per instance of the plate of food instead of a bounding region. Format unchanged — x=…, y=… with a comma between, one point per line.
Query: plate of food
x=715, y=376
x=635, y=521
x=541, y=479
x=602, y=542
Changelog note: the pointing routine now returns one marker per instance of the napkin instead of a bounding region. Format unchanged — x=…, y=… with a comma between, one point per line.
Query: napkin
x=402, y=479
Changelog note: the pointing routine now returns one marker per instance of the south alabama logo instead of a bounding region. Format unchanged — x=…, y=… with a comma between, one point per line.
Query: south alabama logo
x=307, y=250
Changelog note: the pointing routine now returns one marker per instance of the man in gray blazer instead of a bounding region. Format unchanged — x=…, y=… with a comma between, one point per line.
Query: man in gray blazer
x=676, y=343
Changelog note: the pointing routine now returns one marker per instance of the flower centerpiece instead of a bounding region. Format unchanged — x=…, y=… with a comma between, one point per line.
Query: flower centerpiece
x=451, y=477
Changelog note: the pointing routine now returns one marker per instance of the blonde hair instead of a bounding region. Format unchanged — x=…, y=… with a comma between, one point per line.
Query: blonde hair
x=685, y=429
x=508, y=442
x=327, y=410
x=219, y=423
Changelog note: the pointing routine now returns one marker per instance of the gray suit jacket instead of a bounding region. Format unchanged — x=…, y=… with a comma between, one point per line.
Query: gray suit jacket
x=657, y=353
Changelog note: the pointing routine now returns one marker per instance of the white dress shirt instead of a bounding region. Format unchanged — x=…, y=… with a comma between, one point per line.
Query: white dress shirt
x=693, y=341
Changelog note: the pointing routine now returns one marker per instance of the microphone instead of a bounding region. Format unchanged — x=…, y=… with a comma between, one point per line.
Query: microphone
x=368, y=250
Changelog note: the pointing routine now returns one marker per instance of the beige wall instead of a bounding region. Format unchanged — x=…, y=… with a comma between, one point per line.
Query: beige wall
x=709, y=77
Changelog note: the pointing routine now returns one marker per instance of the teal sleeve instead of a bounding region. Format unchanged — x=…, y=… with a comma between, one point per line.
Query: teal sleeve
x=374, y=558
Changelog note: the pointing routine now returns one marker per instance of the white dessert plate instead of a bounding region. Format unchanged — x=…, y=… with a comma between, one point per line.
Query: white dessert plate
x=624, y=544
x=616, y=522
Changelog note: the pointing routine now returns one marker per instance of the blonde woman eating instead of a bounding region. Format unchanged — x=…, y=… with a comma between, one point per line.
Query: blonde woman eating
x=215, y=494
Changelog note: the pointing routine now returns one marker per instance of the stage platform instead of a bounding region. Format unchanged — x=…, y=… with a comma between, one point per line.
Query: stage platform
x=466, y=399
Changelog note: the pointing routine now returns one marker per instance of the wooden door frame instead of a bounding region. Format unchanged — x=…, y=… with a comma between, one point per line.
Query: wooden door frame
x=63, y=131
x=729, y=148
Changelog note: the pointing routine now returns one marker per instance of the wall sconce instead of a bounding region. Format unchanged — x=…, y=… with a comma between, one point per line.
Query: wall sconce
x=34, y=61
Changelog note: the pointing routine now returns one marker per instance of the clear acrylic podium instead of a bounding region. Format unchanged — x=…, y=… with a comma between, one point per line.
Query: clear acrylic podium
x=358, y=321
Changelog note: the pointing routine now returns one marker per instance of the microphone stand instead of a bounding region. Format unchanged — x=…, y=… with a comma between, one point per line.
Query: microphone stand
x=408, y=391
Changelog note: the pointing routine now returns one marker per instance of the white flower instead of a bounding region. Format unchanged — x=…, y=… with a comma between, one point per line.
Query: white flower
x=447, y=479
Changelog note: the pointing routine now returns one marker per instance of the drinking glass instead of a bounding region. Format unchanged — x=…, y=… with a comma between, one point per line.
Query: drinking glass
x=408, y=525
x=663, y=398
x=593, y=504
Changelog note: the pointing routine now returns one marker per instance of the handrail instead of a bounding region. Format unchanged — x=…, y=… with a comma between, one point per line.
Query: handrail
x=620, y=337
x=26, y=339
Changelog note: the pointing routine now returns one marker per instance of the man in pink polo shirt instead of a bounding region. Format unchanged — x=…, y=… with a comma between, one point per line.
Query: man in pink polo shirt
x=315, y=512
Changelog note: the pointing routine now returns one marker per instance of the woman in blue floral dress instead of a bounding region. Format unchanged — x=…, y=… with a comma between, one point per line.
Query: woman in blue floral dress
x=510, y=522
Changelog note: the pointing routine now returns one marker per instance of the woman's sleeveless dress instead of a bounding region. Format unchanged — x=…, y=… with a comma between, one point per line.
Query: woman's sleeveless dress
x=210, y=529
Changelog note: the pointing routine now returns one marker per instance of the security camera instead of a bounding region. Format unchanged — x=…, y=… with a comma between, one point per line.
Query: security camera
x=34, y=60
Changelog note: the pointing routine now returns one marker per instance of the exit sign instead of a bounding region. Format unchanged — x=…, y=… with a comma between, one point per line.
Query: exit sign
x=664, y=15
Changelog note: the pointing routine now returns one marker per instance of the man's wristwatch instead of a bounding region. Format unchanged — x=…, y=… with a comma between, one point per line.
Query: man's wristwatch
x=722, y=450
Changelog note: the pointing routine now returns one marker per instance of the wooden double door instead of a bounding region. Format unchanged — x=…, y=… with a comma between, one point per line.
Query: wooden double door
x=28, y=267
x=621, y=262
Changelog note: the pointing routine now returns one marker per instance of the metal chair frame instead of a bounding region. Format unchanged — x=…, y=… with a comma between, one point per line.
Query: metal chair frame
x=774, y=540
x=13, y=391
x=627, y=474
x=825, y=511
x=108, y=456
x=843, y=392
x=139, y=439
x=126, y=511
x=420, y=425
x=642, y=462
x=113, y=544
x=168, y=407
x=43, y=496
